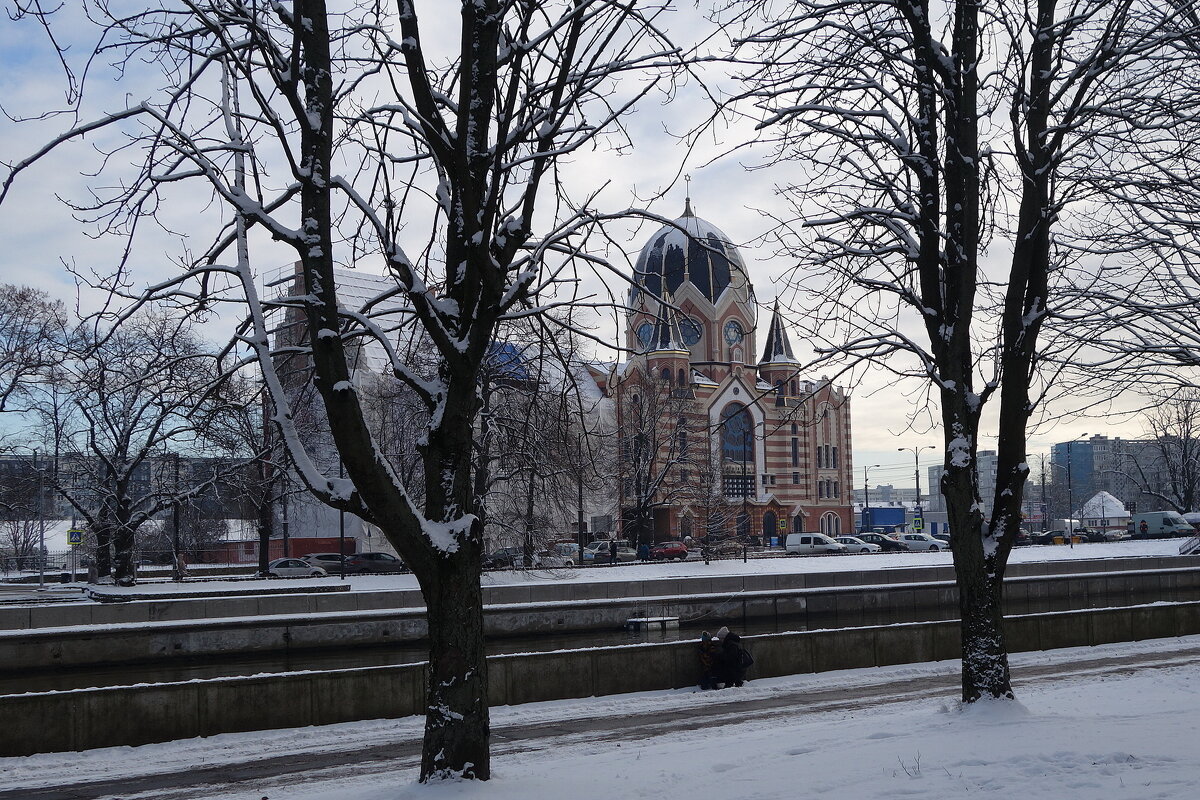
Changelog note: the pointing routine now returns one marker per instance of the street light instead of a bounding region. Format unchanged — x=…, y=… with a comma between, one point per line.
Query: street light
x=867, y=497
x=916, y=451
x=1071, y=495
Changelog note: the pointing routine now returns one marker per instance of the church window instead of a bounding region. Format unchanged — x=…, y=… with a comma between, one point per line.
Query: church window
x=835, y=458
x=793, y=392
x=682, y=379
x=795, y=452
x=796, y=478
x=737, y=437
x=820, y=460
x=666, y=375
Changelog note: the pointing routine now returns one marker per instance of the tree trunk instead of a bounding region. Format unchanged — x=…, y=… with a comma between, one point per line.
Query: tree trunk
x=123, y=547
x=985, y=670
x=457, y=728
x=103, y=554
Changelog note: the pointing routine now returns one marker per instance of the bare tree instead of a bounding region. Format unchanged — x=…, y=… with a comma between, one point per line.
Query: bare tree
x=131, y=394
x=470, y=137
x=1166, y=466
x=32, y=341
x=906, y=115
x=657, y=445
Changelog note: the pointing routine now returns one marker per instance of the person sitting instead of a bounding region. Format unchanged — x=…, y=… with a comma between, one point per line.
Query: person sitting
x=710, y=654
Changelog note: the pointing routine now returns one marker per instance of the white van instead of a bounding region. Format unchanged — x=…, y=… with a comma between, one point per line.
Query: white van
x=807, y=544
x=1159, y=525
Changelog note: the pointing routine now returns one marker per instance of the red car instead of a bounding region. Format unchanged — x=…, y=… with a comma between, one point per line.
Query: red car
x=667, y=550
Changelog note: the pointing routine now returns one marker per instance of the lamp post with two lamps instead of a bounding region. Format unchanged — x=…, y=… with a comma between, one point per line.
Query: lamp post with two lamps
x=916, y=451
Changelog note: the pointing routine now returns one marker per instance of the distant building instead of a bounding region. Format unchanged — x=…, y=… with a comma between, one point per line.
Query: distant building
x=711, y=442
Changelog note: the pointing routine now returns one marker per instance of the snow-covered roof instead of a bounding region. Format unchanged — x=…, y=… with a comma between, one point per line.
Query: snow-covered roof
x=1103, y=506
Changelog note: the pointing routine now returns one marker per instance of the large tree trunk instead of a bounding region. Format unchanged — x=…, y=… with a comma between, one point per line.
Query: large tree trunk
x=103, y=552
x=123, y=538
x=985, y=670
x=457, y=727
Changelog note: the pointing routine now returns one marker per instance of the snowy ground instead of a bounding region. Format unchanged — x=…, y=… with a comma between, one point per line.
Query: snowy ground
x=679, y=569
x=1088, y=725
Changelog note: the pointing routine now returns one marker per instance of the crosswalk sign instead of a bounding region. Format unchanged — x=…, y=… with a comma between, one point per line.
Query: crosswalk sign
x=918, y=523
x=75, y=537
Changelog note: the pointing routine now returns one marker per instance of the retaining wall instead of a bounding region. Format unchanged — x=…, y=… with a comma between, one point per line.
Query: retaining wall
x=830, y=607
x=579, y=589
x=88, y=718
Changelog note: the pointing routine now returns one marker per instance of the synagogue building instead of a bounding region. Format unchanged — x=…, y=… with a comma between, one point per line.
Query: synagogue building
x=719, y=435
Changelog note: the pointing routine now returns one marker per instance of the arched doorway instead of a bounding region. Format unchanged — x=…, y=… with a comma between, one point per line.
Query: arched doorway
x=770, y=525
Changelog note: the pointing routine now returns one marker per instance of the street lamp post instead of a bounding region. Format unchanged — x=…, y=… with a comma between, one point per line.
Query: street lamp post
x=866, y=523
x=916, y=451
x=1071, y=496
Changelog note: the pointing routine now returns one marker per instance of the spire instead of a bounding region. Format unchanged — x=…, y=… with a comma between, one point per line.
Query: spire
x=778, y=349
x=667, y=337
x=687, y=200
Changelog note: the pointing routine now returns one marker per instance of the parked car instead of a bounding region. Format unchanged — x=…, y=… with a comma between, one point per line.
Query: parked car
x=548, y=559
x=330, y=562
x=922, y=541
x=505, y=558
x=667, y=550
x=599, y=551
x=293, y=568
x=886, y=543
x=374, y=563
x=856, y=545
x=1022, y=539
x=942, y=537
x=568, y=550
x=1049, y=537
x=806, y=544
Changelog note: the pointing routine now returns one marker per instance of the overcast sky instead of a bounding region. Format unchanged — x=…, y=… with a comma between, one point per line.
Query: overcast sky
x=39, y=234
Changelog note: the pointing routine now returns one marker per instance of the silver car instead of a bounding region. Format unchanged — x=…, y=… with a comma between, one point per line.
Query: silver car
x=293, y=568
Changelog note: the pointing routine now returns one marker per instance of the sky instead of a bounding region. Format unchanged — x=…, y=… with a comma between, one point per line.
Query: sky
x=42, y=237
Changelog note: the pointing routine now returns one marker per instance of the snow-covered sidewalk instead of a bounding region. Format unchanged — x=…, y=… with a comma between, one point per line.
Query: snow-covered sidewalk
x=1099, y=732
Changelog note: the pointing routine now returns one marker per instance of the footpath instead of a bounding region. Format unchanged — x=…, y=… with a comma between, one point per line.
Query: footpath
x=237, y=765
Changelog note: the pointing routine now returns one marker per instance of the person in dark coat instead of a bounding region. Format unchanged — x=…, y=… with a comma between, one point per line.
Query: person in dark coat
x=733, y=661
x=710, y=656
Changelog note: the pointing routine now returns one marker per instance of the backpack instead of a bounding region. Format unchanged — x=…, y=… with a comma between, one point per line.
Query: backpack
x=745, y=660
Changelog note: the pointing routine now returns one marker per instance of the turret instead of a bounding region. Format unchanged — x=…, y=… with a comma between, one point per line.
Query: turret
x=778, y=365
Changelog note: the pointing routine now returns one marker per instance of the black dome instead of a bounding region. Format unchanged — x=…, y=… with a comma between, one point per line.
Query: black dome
x=696, y=252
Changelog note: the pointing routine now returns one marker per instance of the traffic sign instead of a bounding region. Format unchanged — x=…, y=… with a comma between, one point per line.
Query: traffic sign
x=75, y=537
x=918, y=524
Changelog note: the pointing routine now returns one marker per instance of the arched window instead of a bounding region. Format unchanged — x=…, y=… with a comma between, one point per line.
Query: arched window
x=666, y=375
x=831, y=524
x=682, y=379
x=737, y=433
x=681, y=431
x=793, y=387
